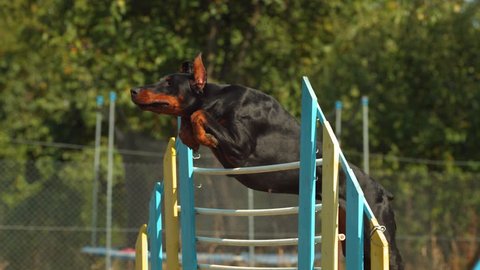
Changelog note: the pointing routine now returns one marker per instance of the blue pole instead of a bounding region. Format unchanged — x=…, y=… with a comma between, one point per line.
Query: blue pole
x=155, y=227
x=355, y=225
x=306, y=215
x=477, y=265
x=187, y=200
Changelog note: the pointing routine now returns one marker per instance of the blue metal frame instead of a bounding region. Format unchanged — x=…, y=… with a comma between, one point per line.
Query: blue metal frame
x=355, y=223
x=477, y=265
x=306, y=212
x=187, y=201
x=155, y=227
x=356, y=203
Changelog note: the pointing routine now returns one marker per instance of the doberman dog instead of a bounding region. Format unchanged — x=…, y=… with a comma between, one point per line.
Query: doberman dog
x=246, y=127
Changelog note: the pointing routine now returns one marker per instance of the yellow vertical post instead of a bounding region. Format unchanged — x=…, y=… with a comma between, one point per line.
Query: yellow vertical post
x=329, y=212
x=141, y=249
x=379, y=248
x=171, y=206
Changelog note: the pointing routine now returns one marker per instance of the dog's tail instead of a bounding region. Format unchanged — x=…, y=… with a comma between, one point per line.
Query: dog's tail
x=385, y=192
x=389, y=195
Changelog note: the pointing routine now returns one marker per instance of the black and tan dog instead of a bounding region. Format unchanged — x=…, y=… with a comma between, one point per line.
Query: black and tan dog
x=245, y=127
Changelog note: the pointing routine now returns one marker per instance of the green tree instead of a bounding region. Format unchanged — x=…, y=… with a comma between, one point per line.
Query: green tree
x=417, y=61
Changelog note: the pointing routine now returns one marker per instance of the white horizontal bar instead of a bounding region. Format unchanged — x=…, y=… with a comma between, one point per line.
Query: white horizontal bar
x=253, y=169
x=257, y=243
x=252, y=212
x=226, y=267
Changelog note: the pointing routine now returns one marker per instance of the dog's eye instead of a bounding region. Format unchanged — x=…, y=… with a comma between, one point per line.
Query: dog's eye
x=169, y=82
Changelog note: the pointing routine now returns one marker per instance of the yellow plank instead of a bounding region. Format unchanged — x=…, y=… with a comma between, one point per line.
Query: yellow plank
x=171, y=209
x=141, y=249
x=379, y=248
x=329, y=212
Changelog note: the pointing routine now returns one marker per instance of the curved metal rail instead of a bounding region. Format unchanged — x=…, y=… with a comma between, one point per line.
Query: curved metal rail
x=251, y=212
x=252, y=169
x=226, y=267
x=257, y=243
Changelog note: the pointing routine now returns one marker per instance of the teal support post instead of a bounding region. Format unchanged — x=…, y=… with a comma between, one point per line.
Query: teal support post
x=306, y=215
x=477, y=265
x=155, y=227
x=187, y=201
x=355, y=225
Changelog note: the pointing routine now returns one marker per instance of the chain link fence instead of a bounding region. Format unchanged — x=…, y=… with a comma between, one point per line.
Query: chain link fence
x=46, y=213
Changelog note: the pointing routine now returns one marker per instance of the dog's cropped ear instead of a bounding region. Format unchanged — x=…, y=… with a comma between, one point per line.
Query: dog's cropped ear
x=186, y=67
x=199, y=74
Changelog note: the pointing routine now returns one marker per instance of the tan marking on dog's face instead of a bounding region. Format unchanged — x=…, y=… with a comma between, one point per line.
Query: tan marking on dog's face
x=159, y=103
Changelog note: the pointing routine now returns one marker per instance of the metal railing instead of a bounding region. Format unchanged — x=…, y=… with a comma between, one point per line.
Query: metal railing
x=332, y=158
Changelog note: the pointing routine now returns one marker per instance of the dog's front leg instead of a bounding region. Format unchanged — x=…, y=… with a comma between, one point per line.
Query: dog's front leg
x=230, y=142
x=199, y=120
x=186, y=134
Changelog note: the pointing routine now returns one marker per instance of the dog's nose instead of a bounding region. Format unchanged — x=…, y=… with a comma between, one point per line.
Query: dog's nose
x=135, y=91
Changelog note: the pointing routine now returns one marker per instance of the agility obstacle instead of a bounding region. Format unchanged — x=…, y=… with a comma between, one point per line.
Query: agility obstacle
x=165, y=193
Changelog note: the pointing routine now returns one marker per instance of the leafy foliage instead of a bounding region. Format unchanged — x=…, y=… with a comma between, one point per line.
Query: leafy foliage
x=417, y=61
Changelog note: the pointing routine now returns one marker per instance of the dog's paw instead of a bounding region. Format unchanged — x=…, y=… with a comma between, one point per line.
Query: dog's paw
x=187, y=138
x=207, y=139
x=211, y=140
x=194, y=145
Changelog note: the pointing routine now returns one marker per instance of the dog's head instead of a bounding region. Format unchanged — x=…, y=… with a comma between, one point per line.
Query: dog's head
x=175, y=94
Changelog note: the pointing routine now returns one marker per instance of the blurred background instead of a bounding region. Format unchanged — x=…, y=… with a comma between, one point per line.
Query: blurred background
x=417, y=61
